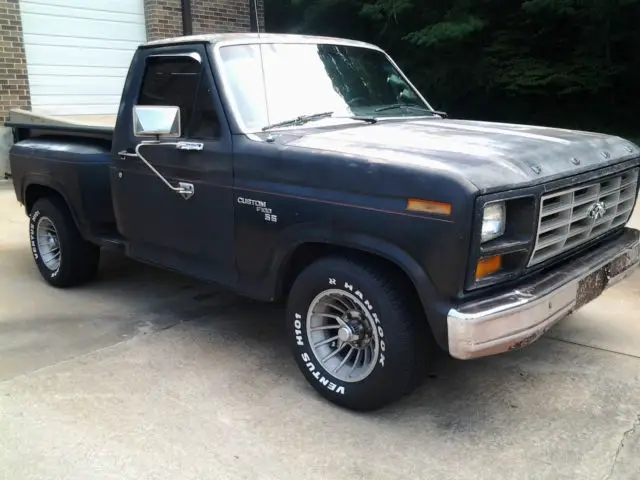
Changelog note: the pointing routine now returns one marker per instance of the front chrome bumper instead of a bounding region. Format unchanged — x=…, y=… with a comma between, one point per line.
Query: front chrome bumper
x=519, y=317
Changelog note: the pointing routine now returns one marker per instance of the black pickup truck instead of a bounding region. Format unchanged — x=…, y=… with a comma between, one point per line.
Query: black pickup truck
x=311, y=169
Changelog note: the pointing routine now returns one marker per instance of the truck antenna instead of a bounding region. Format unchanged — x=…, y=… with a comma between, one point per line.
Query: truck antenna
x=264, y=79
x=255, y=12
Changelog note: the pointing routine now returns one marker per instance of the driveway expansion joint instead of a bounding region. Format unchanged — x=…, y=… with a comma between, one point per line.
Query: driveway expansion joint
x=625, y=436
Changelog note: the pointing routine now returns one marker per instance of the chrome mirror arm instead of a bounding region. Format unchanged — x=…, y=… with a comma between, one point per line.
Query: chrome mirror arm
x=186, y=190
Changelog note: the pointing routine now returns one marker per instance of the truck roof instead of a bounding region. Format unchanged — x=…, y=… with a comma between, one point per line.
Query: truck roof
x=105, y=123
x=245, y=37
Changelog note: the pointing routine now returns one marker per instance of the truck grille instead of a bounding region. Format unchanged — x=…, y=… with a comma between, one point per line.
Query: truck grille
x=572, y=217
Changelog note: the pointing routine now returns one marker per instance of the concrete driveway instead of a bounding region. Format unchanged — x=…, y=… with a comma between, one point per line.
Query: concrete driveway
x=149, y=375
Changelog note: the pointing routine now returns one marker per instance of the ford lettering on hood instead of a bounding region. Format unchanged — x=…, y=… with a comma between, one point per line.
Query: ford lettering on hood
x=490, y=155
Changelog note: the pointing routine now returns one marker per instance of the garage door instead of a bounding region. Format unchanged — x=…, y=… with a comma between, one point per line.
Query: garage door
x=78, y=52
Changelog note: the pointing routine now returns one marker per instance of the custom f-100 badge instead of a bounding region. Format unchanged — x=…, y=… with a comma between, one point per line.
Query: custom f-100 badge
x=261, y=207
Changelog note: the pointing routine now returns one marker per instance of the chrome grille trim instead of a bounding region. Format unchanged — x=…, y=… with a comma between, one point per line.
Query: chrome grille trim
x=565, y=220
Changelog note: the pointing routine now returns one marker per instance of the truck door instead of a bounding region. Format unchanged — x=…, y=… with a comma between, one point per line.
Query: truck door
x=192, y=235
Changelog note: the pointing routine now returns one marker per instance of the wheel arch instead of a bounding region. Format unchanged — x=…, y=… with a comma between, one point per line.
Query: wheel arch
x=40, y=187
x=387, y=255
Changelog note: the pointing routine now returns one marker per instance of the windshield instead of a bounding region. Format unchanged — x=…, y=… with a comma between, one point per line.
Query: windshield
x=307, y=79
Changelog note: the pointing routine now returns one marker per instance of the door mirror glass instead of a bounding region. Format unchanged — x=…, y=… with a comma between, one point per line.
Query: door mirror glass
x=156, y=121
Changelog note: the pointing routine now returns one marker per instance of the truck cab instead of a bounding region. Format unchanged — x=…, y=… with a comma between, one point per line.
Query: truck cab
x=312, y=169
x=194, y=235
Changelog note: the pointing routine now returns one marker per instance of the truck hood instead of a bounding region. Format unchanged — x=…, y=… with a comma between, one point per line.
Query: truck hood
x=491, y=156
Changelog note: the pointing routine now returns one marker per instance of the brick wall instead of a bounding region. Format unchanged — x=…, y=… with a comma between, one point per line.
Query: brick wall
x=223, y=16
x=164, y=17
x=14, y=86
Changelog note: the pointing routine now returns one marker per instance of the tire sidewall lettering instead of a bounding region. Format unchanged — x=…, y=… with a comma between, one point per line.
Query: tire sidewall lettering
x=307, y=357
x=34, y=246
x=309, y=360
x=32, y=234
x=354, y=290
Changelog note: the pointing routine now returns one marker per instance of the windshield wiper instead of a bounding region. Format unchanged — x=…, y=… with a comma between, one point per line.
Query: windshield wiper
x=302, y=119
x=363, y=118
x=415, y=107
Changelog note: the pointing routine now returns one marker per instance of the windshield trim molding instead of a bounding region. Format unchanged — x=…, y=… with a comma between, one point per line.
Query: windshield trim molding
x=224, y=79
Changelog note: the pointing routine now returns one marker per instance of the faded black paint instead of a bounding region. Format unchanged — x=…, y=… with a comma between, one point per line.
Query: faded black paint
x=77, y=168
x=341, y=185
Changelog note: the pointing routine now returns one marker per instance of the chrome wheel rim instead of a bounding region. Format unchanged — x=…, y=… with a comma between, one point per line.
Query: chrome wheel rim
x=343, y=335
x=48, y=243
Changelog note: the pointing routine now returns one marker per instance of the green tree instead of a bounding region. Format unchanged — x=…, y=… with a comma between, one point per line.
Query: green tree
x=573, y=63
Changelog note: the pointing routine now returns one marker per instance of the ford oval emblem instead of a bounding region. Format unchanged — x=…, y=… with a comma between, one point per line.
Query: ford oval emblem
x=597, y=211
x=606, y=155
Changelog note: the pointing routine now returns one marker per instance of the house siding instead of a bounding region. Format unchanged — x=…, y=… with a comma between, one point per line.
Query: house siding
x=163, y=19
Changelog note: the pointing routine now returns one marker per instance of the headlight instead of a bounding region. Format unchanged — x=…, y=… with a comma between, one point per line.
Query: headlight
x=493, y=221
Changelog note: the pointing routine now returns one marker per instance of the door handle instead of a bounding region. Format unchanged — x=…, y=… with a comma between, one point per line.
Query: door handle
x=186, y=190
x=123, y=154
x=193, y=146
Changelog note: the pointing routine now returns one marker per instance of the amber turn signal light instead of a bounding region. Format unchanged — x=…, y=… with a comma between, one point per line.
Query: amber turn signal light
x=487, y=266
x=427, y=206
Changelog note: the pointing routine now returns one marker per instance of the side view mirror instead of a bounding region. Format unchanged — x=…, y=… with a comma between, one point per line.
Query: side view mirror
x=152, y=121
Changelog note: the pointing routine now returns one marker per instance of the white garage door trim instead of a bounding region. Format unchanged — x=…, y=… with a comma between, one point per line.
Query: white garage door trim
x=78, y=52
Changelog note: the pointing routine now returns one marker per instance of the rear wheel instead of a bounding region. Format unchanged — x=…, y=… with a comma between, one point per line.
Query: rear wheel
x=62, y=256
x=355, y=333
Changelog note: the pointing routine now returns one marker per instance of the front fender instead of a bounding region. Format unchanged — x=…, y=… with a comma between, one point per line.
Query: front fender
x=434, y=307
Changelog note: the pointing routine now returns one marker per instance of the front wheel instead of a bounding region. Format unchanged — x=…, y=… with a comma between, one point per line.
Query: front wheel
x=62, y=256
x=354, y=333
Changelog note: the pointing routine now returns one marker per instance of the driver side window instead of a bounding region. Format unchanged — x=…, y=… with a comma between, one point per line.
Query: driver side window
x=178, y=81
